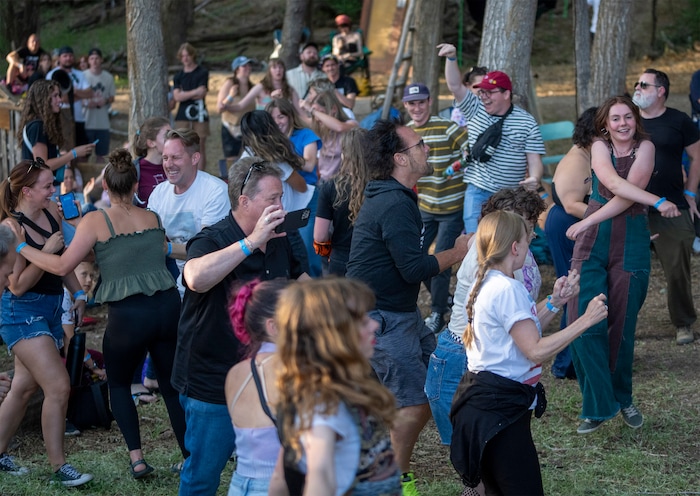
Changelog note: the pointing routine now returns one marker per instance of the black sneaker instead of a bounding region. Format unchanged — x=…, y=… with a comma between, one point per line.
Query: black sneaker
x=8, y=465
x=71, y=430
x=69, y=476
x=435, y=322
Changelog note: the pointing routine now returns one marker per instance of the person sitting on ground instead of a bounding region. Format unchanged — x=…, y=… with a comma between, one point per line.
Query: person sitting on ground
x=347, y=44
x=250, y=397
x=345, y=86
x=23, y=63
x=144, y=305
x=333, y=415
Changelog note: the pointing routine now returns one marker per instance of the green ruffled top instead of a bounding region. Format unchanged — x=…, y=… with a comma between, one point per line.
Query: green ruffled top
x=132, y=264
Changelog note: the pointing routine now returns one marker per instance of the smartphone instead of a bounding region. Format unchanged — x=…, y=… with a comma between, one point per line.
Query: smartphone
x=70, y=209
x=294, y=220
x=96, y=141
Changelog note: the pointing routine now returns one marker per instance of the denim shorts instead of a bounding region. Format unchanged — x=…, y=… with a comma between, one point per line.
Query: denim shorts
x=29, y=316
x=448, y=363
x=246, y=486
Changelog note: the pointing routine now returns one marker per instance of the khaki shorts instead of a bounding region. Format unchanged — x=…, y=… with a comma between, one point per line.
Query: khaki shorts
x=201, y=128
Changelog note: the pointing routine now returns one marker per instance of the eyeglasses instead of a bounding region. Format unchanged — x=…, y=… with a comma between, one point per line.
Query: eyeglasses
x=645, y=85
x=37, y=162
x=483, y=93
x=256, y=166
x=421, y=143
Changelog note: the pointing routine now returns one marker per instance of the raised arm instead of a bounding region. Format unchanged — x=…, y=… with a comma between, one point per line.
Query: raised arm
x=453, y=77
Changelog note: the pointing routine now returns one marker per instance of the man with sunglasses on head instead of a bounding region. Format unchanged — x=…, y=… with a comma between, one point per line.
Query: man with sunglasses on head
x=516, y=160
x=440, y=195
x=387, y=253
x=241, y=247
x=672, y=132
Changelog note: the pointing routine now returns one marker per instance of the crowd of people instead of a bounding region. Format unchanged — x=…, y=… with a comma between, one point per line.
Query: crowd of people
x=303, y=350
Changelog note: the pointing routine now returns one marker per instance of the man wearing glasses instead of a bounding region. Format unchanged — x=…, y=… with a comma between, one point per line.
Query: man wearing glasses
x=241, y=247
x=440, y=196
x=516, y=160
x=387, y=253
x=672, y=132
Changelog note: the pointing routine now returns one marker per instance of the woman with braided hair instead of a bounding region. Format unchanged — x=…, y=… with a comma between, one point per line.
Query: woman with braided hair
x=493, y=405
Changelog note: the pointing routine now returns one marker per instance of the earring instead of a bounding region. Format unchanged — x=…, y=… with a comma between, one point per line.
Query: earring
x=604, y=131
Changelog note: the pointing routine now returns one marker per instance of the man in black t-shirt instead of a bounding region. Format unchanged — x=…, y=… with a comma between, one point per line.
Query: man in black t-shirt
x=345, y=86
x=672, y=132
x=24, y=61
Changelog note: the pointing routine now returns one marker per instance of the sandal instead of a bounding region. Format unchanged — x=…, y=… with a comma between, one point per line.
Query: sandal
x=145, y=397
x=141, y=473
x=176, y=468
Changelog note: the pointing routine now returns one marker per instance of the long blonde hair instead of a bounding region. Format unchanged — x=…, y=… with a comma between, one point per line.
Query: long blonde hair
x=319, y=348
x=495, y=236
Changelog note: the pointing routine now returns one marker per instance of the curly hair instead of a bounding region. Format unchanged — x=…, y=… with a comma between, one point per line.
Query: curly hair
x=268, y=84
x=37, y=106
x=353, y=176
x=584, y=132
x=249, y=308
x=521, y=201
x=265, y=140
x=120, y=173
x=23, y=175
x=383, y=141
x=494, y=237
x=148, y=131
x=601, y=117
x=319, y=349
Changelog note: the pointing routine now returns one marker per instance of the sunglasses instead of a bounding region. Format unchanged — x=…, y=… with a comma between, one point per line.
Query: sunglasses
x=421, y=143
x=256, y=166
x=645, y=85
x=38, y=163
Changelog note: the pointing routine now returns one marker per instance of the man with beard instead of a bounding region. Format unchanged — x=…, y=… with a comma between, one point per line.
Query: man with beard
x=672, y=132
x=387, y=253
x=72, y=116
x=440, y=196
x=300, y=77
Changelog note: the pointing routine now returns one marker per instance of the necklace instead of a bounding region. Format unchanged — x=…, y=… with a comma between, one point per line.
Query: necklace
x=621, y=154
x=126, y=208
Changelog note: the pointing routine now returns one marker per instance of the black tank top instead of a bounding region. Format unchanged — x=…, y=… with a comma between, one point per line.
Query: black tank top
x=49, y=284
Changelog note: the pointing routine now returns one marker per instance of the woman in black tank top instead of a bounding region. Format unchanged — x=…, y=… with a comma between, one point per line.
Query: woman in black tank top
x=30, y=321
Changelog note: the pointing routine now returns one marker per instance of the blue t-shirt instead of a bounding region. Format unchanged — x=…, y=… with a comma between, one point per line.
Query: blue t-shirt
x=300, y=138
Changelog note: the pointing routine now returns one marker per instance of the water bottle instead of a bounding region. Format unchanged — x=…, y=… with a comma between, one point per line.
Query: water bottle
x=74, y=360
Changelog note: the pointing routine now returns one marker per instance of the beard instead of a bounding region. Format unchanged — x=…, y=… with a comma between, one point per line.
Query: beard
x=311, y=62
x=643, y=101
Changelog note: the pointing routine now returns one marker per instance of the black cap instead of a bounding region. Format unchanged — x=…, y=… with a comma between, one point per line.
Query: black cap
x=310, y=44
x=65, y=49
x=95, y=51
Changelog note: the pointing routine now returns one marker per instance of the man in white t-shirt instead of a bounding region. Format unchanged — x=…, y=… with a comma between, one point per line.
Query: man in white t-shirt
x=97, y=108
x=191, y=199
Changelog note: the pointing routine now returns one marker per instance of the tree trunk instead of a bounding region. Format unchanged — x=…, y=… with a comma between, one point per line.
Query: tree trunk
x=582, y=55
x=428, y=20
x=506, y=43
x=178, y=16
x=610, y=50
x=148, y=73
x=294, y=18
x=18, y=19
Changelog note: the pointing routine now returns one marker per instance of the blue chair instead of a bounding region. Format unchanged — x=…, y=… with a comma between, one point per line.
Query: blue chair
x=555, y=131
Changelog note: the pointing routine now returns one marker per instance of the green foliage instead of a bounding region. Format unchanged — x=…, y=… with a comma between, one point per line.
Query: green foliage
x=353, y=8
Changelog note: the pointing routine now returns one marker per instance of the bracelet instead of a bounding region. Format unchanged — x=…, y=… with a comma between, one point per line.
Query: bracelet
x=452, y=58
x=78, y=293
x=244, y=248
x=75, y=154
x=689, y=193
x=170, y=249
x=658, y=203
x=20, y=246
x=87, y=357
x=551, y=307
x=229, y=99
x=249, y=244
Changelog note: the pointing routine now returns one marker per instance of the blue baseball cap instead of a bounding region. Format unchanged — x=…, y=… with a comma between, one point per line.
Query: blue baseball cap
x=239, y=61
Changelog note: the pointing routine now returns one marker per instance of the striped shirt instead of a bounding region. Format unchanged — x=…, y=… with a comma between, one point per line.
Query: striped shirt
x=507, y=167
x=438, y=194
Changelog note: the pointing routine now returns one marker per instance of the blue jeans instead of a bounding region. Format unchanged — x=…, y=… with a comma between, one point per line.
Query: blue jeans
x=210, y=440
x=448, y=363
x=245, y=486
x=444, y=230
x=474, y=198
x=307, y=234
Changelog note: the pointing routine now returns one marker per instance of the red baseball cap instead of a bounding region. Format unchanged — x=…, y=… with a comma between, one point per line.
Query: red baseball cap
x=495, y=79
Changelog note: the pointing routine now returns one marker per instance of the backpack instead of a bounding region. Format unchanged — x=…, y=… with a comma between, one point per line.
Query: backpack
x=485, y=146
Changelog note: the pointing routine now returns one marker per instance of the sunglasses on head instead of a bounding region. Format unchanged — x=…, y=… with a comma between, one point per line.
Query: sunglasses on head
x=257, y=166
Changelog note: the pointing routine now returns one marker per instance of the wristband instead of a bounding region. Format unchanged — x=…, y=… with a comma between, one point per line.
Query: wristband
x=75, y=154
x=20, y=246
x=452, y=58
x=87, y=357
x=78, y=293
x=658, y=203
x=689, y=193
x=170, y=249
x=244, y=248
x=229, y=99
x=551, y=307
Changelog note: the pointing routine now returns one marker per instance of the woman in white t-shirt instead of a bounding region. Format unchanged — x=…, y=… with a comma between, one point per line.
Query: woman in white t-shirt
x=333, y=416
x=505, y=349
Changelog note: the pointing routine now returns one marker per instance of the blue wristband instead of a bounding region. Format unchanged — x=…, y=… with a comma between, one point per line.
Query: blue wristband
x=244, y=248
x=658, y=203
x=80, y=292
x=551, y=307
x=452, y=58
x=689, y=193
x=20, y=246
x=75, y=154
x=87, y=357
x=170, y=249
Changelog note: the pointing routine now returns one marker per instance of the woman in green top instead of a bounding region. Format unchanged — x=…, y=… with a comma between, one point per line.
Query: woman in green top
x=144, y=305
